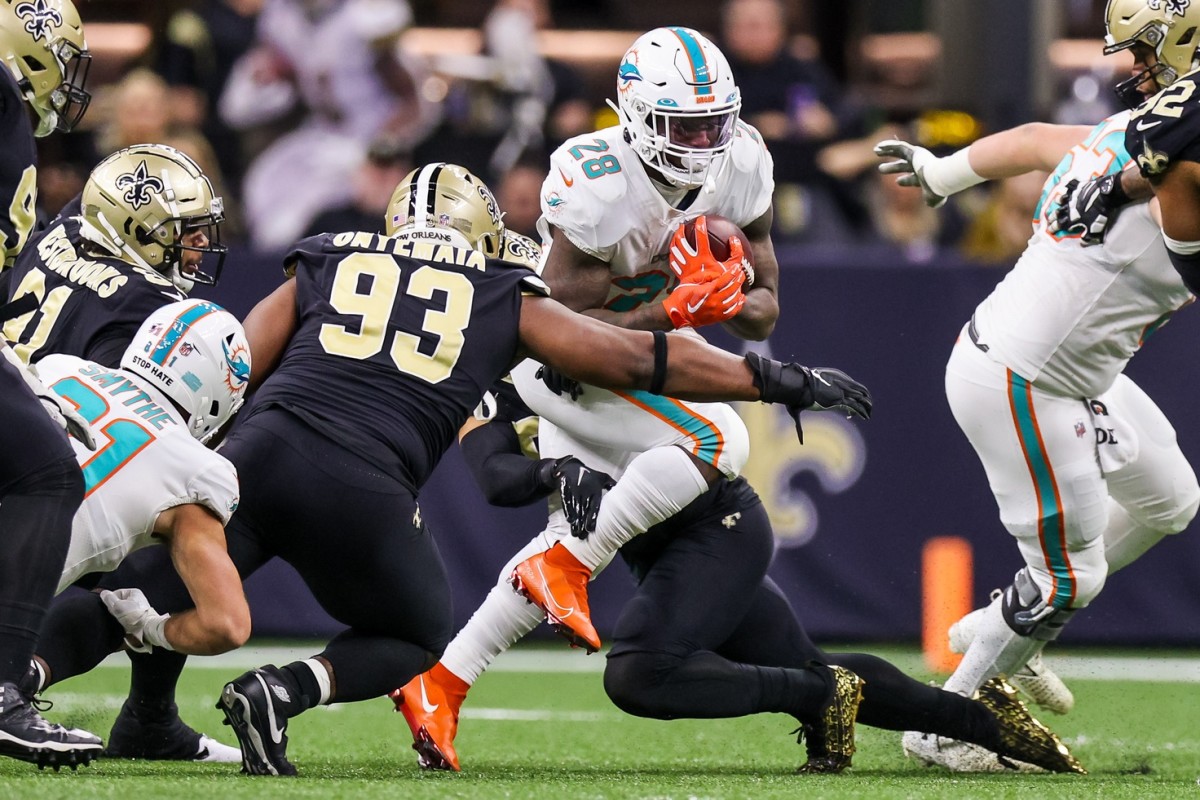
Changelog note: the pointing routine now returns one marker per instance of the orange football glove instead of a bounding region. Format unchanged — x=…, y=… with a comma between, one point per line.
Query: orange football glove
x=715, y=300
x=698, y=264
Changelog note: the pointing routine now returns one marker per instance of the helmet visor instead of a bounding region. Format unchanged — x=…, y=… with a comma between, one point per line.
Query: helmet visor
x=699, y=132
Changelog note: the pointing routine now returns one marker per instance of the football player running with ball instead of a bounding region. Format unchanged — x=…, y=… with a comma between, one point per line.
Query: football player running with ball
x=1086, y=469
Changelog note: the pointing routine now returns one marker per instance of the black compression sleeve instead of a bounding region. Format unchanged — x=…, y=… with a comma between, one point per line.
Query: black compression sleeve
x=1188, y=267
x=506, y=476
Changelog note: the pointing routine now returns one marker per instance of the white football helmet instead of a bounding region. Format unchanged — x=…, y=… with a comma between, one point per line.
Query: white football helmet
x=678, y=103
x=196, y=353
x=1169, y=27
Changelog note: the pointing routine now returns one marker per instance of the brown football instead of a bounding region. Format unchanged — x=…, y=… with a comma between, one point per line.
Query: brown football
x=719, y=231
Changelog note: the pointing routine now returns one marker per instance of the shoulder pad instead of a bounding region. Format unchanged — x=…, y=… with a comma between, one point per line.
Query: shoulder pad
x=1166, y=128
x=312, y=246
x=584, y=191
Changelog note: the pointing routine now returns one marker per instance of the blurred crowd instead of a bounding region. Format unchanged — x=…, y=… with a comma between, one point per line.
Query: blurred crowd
x=306, y=113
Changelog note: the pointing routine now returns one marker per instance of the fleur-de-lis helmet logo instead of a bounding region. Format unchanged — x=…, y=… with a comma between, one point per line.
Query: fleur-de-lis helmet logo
x=40, y=18
x=138, y=185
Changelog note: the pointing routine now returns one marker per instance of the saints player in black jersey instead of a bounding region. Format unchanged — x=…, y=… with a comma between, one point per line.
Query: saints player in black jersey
x=44, y=55
x=136, y=239
x=1163, y=135
x=378, y=348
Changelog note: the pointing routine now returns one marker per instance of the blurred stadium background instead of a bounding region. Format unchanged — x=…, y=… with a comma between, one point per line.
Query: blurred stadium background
x=309, y=111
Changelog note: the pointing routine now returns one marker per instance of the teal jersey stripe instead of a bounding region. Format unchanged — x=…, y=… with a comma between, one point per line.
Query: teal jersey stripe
x=178, y=328
x=1052, y=524
x=700, y=72
x=707, y=437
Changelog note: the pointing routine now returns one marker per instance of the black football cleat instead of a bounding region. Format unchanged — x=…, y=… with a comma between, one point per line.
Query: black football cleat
x=254, y=706
x=26, y=736
x=158, y=734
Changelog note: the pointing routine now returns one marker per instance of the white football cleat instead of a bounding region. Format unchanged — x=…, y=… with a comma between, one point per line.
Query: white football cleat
x=932, y=750
x=213, y=751
x=1035, y=680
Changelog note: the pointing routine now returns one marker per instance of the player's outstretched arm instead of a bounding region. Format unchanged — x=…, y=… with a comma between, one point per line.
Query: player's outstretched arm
x=1034, y=145
x=269, y=327
x=220, y=620
x=680, y=366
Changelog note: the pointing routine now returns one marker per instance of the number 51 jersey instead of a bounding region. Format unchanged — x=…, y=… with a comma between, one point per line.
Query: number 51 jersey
x=397, y=339
x=146, y=462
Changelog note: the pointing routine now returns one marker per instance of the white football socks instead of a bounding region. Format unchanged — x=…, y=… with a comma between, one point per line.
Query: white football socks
x=657, y=485
x=996, y=650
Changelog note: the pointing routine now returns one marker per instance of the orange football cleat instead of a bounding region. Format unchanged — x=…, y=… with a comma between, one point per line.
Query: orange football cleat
x=556, y=582
x=430, y=704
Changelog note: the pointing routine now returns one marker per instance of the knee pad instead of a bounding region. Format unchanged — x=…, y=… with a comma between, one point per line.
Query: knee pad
x=1180, y=515
x=1028, y=614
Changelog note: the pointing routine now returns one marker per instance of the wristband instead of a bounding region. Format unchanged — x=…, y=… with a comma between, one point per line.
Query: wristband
x=154, y=632
x=950, y=175
x=660, y=363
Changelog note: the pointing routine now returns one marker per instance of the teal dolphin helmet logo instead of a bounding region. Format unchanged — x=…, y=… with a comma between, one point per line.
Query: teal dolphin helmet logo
x=239, y=366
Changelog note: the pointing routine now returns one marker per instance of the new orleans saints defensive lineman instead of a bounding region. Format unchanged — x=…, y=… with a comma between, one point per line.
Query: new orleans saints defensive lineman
x=381, y=347
x=44, y=54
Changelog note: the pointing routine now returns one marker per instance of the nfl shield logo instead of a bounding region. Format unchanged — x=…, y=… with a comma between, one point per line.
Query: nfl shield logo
x=1080, y=429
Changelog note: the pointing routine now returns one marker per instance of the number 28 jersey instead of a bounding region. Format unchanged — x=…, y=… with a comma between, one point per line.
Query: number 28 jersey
x=145, y=462
x=397, y=339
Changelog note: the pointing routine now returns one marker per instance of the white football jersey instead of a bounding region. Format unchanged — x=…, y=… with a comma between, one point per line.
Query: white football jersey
x=598, y=193
x=146, y=462
x=1067, y=317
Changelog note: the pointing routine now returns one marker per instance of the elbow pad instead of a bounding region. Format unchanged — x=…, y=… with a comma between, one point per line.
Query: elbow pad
x=1185, y=257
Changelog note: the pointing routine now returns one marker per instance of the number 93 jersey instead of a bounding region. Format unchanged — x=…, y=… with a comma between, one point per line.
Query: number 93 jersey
x=145, y=462
x=599, y=195
x=1166, y=127
x=397, y=340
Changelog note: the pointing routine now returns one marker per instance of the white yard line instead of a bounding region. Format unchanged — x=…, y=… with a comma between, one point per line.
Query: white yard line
x=1164, y=669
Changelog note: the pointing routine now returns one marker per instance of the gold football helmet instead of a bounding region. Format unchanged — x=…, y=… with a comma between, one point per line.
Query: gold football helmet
x=147, y=205
x=447, y=197
x=41, y=42
x=1169, y=27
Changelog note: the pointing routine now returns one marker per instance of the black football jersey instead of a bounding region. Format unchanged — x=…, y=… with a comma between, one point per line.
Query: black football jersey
x=396, y=342
x=89, y=306
x=1166, y=128
x=18, y=171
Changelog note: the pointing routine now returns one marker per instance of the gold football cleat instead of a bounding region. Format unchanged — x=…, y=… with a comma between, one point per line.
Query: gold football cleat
x=830, y=741
x=1023, y=737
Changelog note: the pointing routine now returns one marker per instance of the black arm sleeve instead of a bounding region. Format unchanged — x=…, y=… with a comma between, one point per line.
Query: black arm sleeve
x=1188, y=267
x=507, y=478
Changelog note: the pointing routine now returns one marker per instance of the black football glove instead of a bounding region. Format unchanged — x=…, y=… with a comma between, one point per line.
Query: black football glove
x=799, y=388
x=1091, y=208
x=581, y=489
x=558, y=383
